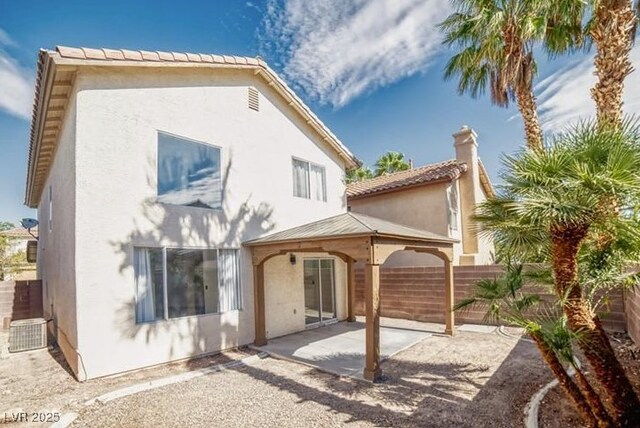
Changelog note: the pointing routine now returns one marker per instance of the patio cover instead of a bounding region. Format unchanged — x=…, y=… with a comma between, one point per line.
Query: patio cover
x=354, y=238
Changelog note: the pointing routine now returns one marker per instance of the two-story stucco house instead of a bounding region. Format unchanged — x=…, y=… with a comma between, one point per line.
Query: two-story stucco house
x=439, y=197
x=190, y=203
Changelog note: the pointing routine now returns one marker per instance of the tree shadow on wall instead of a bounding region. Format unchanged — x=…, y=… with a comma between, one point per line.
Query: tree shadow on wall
x=163, y=225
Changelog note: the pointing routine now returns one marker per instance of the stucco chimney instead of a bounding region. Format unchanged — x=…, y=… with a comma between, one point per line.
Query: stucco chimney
x=466, y=146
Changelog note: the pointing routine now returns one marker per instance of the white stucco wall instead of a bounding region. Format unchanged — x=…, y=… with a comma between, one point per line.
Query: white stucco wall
x=56, y=246
x=118, y=116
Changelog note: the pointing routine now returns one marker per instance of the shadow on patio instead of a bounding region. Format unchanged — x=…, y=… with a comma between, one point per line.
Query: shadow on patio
x=470, y=380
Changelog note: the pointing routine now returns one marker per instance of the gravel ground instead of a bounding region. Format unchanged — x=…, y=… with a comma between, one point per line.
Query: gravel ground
x=556, y=411
x=472, y=380
x=40, y=381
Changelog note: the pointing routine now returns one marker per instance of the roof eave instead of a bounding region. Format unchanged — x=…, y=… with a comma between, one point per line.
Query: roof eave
x=43, y=89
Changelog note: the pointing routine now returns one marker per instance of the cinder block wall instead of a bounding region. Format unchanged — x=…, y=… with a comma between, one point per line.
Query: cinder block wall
x=417, y=293
x=632, y=309
x=20, y=300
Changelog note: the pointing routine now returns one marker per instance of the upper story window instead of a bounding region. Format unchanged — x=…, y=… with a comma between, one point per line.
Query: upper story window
x=309, y=180
x=188, y=173
x=452, y=202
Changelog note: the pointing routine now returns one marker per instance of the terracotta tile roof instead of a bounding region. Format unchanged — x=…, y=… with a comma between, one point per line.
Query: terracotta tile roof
x=436, y=172
x=19, y=233
x=74, y=57
x=155, y=56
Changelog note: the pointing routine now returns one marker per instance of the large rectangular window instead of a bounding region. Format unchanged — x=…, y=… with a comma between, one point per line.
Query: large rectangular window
x=176, y=282
x=189, y=173
x=309, y=180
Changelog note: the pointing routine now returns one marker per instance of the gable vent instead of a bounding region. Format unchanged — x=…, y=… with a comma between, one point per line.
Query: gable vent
x=254, y=100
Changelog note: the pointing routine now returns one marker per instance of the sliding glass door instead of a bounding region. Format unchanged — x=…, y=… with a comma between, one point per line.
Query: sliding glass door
x=319, y=291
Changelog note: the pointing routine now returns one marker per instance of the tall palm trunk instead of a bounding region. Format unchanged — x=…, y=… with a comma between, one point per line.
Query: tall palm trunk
x=612, y=34
x=565, y=381
x=592, y=397
x=621, y=400
x=521, y=72
x=527, y=106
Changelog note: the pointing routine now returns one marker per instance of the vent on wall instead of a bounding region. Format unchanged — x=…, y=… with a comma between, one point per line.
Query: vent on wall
x=254, y=100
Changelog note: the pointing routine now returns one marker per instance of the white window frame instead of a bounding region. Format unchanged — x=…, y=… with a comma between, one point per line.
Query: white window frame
x=165, y=295
x=324, y=179
x=453, y=208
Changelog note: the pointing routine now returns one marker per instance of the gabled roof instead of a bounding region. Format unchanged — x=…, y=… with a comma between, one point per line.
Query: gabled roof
x=54, y=83
x=349, y=225
x=432, y=173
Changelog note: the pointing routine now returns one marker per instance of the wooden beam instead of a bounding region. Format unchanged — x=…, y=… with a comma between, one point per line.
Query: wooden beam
x=259, y=305
x=372, y=370
x=449, y=298
x=63, y=83
x=351, y=290
x=358, y=248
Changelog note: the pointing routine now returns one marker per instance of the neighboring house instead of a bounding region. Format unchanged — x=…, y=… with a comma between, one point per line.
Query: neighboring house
x=17, y=239
x=439, y=197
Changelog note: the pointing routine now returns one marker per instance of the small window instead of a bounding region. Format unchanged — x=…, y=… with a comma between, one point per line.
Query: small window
x=180, y=282
x=453, y=204
x=309, y=180
x=188, y=173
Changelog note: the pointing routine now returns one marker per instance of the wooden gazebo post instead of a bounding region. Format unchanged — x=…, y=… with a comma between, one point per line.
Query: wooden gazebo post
x=351, y=290
x=372, y=370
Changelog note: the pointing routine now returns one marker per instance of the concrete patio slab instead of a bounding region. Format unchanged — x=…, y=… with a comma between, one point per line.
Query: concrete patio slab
x=340, y=348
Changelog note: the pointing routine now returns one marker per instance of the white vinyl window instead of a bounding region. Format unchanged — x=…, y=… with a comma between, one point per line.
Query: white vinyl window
x=452, y=204
x=180, y=282
x=309, y=180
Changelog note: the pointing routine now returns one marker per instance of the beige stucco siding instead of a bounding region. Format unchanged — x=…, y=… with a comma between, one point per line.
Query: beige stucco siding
x=284, y=293
x=423, y=207
x=119, y=115
x=57, y=246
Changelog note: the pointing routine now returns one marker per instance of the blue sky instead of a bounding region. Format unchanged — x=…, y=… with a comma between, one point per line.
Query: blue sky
x=370, y=69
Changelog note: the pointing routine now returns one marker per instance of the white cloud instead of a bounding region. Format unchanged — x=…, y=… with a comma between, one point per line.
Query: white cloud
x=338, y=50
x=5, y=39
x=16, y=83
x=564, y=96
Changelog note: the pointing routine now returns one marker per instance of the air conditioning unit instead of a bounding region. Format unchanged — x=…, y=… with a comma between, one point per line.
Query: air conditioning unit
x=25, y=335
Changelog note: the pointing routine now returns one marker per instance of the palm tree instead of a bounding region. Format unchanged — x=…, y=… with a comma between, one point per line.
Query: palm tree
x=496, y=40
x=557, y=199
x=358, y=174
x=611, y=25
x=390, y=162
x=612, y=30
x=505, y=300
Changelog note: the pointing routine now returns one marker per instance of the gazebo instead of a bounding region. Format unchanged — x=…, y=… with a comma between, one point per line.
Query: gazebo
x=353, y=238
